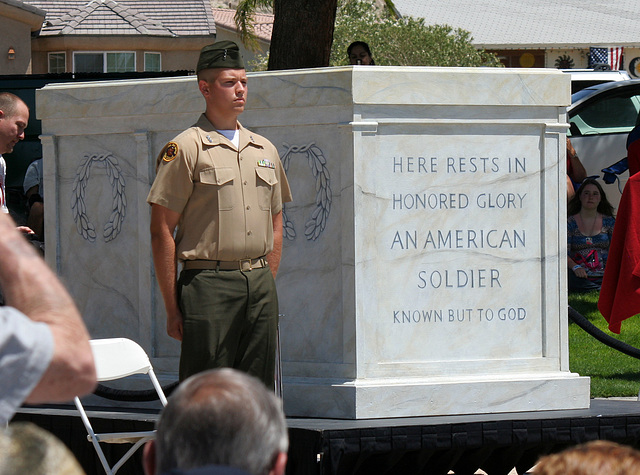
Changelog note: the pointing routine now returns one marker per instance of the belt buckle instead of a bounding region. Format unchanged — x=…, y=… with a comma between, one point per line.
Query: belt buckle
x=245, y=265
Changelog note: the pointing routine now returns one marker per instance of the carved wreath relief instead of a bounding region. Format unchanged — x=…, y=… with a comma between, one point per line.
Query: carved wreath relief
x=119, y=204
x=318, y=164
x=313, y=227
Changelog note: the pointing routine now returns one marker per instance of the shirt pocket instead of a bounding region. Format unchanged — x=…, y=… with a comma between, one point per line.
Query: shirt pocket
x=265, y=181
x=222, y=179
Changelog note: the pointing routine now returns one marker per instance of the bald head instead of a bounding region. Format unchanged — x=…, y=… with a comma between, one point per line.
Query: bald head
x=14, y=117
x=222, y=417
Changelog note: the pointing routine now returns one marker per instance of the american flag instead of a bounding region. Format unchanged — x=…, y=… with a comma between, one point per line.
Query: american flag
x=610, y=56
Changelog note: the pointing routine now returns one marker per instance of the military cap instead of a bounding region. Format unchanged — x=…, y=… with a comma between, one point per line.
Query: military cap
x=221, y=54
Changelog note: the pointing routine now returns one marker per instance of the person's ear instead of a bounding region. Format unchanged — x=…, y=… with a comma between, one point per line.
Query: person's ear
x=149, y=458
x=279, y=465
x=204, y=87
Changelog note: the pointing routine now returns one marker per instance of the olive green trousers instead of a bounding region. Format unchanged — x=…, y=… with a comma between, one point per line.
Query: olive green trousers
x=230, y=320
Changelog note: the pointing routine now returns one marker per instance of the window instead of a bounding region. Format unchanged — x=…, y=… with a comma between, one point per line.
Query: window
x=57, y=62
x=88, y=63
x=116, y=62
x=152, y=62
x=607, y=114
x=121, y=62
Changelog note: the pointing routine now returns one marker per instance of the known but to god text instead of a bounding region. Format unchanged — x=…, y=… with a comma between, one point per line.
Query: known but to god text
x=459, y=315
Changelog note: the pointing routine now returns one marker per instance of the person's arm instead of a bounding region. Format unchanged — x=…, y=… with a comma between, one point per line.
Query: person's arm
x=578, y=172
x=163, y=248
x=571, y=192
x=576, y=268
x=35, y=218
x=34, y=190
x=273, y=258
x=32, y=288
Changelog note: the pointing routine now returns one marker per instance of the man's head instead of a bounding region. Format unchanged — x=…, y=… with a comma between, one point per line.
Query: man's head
x=220, y=417
x=14, y=116
x=222, y=80
x=591, y=458
x=221, y=54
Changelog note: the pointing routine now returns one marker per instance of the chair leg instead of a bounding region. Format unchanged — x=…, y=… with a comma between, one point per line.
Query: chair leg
x=278, y=375
x=128, y=455
x=92, y=436
x=101, y=456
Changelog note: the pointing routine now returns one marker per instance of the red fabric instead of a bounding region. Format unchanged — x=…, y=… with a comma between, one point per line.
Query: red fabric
x=633, y=157
x=620, y=292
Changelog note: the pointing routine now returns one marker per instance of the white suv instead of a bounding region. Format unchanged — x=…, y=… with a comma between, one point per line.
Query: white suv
x=582, y=78
x=601, y=118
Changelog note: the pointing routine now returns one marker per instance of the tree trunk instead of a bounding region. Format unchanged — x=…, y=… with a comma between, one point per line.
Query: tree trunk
x=302, y=33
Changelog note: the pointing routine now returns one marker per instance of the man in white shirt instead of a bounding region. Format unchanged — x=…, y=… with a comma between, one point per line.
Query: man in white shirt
x=14, y=117
x=44, y=346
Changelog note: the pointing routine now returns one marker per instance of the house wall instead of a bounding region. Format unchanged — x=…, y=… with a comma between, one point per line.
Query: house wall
x=520, y=58
x=177, y=53
x=632, y=61
x=562, y=58
x=579, y=59
x=567, y=58
x=16, y=35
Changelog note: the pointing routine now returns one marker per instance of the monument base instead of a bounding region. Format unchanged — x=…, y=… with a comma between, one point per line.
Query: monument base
x=382, y=398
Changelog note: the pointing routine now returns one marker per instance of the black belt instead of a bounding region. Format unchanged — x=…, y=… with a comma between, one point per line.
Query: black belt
x=241, y=264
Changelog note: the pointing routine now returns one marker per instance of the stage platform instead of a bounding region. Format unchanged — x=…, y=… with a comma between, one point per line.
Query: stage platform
x=495, y=443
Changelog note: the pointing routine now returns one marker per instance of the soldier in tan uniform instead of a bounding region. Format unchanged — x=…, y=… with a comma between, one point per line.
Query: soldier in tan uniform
x=222, y=187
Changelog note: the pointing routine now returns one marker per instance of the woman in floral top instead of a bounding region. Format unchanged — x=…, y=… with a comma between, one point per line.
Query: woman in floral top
x=589, y=230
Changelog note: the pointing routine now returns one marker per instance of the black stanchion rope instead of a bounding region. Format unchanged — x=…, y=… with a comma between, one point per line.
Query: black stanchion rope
x=601, y=336
x=146, y=395
x=151, y=395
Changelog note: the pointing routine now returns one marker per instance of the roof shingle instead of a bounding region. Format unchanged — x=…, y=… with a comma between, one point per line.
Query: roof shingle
x=539, y=23
x=262, y=24
x=127, y=17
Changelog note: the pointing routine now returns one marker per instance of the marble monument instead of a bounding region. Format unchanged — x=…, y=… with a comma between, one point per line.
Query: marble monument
x=423, y=269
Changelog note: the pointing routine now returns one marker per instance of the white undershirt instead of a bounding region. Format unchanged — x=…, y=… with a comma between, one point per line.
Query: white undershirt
x=232, y=135
x=3, y=196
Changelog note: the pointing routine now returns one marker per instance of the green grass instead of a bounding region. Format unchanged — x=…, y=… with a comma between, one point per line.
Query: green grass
x=612, y=373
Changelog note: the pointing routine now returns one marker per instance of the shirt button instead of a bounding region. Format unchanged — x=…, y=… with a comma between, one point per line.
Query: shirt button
x=245, y=182
x=248, y=207
x=249, y=233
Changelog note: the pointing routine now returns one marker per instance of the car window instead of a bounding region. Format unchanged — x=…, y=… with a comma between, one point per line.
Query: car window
x=576, y=96
x=580, y=84
x=606, y=114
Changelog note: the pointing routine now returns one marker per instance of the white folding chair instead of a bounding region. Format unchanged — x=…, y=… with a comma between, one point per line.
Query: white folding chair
x=117, y=358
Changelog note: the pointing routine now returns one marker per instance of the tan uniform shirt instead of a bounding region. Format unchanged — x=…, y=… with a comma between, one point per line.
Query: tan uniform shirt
x=225, y=196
